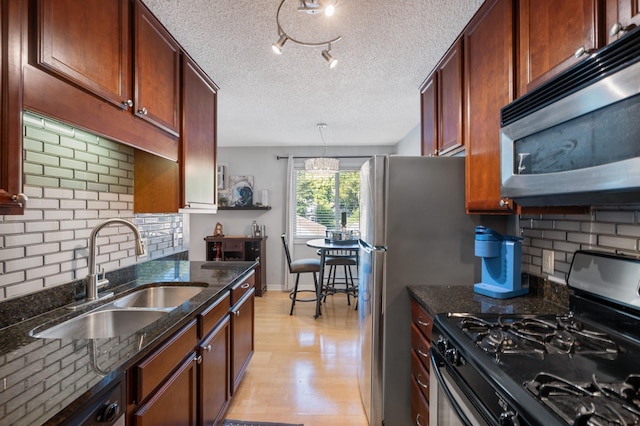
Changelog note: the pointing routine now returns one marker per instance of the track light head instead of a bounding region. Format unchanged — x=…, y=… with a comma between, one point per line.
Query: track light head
x=277, y=46
x=326, y=54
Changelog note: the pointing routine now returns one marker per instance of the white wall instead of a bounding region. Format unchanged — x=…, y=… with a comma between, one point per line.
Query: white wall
x=410, y=144
x=268, y=173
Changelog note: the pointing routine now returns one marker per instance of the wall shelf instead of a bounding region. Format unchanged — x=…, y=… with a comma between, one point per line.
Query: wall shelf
x=244, y=208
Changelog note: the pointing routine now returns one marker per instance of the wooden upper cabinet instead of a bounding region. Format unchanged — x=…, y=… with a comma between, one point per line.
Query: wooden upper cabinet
x=624, y=13
x=13, y=25
x=429, y=116
x=450, y=104
x=157, y=72
x=88, y=43
x=489, y=76
x=92, y=44
x=198, y=152
x=442, y=105
x=550, y=34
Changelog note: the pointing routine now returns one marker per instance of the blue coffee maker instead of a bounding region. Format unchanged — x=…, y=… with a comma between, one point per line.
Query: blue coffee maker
x=501, y=260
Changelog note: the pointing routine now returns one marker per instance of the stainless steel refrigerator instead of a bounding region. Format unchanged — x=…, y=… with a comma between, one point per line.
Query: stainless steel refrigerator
x=414, y=231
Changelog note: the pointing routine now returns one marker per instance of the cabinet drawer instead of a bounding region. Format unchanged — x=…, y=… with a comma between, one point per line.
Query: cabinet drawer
x=419, y=406
x=213, y=315
x=420, y=374
x=242, y=287
x=420, y=345
x=421, y=319
x=232, y=245
x=157, y=366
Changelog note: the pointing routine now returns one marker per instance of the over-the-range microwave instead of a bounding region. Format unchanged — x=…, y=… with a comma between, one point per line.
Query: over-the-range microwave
x=575, y=140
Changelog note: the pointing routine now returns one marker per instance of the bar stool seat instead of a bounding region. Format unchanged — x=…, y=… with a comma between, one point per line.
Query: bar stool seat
x=301, y=266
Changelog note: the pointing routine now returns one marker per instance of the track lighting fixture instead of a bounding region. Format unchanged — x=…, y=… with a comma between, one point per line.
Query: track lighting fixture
x=312, y=7
x=326, y=54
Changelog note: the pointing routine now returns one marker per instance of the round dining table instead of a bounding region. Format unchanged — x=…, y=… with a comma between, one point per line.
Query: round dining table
x=324, y=245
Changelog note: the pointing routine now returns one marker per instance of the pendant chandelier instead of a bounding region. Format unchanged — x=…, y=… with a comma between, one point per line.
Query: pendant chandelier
x=322, y=166
x=312, y=7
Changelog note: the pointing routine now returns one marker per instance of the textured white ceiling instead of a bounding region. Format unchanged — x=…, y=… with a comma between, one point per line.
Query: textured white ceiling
x=371, y=97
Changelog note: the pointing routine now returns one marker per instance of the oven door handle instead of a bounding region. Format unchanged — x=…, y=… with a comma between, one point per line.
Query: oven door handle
x=442, y=385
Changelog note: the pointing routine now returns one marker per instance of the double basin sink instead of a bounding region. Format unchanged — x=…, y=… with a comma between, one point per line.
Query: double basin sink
x=123, y=316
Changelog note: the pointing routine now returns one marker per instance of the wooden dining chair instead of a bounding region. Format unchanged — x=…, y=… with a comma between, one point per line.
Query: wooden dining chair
x=301, y=266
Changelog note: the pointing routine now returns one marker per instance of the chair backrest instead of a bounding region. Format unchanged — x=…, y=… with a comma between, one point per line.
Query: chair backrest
x=286, y=250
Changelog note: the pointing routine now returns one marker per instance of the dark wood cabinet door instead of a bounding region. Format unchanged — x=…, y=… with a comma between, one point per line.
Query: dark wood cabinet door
x=429, y=116
x=626, y=13
x=13, y=24
x=489, y=76
x=215, y=373
x=87, y=43
x=450, y=104
x=242, y=330
x=156, y=72
x=198, y=168
x=550, y=33
x=175, y=402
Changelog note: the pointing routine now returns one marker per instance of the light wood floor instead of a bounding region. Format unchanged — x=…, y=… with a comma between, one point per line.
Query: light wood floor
x=303, y=370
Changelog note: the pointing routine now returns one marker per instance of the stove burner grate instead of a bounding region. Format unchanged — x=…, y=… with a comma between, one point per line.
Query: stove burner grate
x=593, y=403
x=563, y=334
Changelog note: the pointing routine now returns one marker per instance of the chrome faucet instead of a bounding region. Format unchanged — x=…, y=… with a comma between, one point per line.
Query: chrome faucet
x=93, y=281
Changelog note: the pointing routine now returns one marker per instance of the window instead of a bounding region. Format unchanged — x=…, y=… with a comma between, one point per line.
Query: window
x=322, y=201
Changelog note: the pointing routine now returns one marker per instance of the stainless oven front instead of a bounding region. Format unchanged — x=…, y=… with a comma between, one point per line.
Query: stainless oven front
x=449, y=403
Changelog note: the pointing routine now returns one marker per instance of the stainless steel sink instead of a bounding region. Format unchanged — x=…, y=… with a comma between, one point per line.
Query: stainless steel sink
x=162, y=297
x=102, y=324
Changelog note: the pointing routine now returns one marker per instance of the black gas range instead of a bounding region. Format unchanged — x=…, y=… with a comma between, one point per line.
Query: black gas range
x=576, y=368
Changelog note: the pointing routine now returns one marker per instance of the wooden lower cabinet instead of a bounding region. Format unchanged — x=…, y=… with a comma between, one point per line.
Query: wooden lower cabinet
x=175, y=402
x=242, y=332
x=421, y=324
x=190, y=377
x=214, y=376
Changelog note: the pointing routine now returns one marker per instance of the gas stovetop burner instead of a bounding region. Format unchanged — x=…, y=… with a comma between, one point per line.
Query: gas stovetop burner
x=593, y=403
x=562, y=334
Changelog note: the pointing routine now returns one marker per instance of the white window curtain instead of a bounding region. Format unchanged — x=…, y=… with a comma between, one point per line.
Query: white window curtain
x=288, y=225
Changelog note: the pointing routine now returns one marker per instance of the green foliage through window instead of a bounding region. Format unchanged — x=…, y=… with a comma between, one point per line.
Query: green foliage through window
x=321, y=200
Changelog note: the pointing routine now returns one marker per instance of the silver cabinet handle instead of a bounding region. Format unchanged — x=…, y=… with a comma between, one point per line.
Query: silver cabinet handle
x=126, y=104
x=619, y=29
x=423, y=323
x=421, y=352
x=20, y=198
x=418, y=416
x=142, y=111
x=208, y=348
x=198, y=359
x=583, y=51
x=504, y=203
x=421, y=383
x=245, y=285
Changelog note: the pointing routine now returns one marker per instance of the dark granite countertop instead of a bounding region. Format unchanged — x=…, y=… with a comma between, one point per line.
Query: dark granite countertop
x=43, y=380
x=448, y=298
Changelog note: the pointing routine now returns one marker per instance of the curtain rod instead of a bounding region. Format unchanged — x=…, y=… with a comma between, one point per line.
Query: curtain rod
x=331, y=156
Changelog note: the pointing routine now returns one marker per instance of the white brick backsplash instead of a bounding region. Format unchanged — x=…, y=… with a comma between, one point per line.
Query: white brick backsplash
x=11, y=228
x=74, y=180
x=612, y=229
x=23, y=288
x=23, y=240
x=25, y=263
x=48, y=270
x=43, y=249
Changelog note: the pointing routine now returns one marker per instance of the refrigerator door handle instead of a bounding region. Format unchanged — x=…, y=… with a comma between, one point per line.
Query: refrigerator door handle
x=369, y=248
